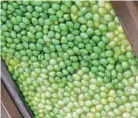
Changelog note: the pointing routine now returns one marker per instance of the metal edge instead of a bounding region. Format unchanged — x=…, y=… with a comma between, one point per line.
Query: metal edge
x=14, y=92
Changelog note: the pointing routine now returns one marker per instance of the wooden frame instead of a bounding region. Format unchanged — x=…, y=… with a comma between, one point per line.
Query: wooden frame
x=127, y=11
x=8, y=107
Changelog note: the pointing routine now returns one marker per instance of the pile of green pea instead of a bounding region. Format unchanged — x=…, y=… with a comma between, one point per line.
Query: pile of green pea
x=70, y=59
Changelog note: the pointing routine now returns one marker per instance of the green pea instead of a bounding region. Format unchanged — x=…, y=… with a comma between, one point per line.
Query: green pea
x=30, y=8
x=118, y=68
x=70, y=44
x=95, y=8
x=83, y=11
x=111, y=25
x=103, y=28
x=92, y=43
x=75, y=65
x=89, y=16
x=39, y=35
x=122, y=58
x=110, y=67
x=13, y=20
x=59, y=13
x=84, y=35
x=45, y=5
x=97, y=50
x=96, y=17
x=90, y=31
x=129, y=55
x=101, y=68
x=110, y=35
x=4, y=5
x=39, y=46
x=56, y=6
x=26, y=21
x=90, y=23
x=65, y=9
x=50, y=34
x=108, y=74
x=96, y=38
x=82, y=20
x=132, y=62
x=103, y=62
x=83, y=51
x=63, y=27
x=17, y=28
x=125, y=65
x=38, y=9
x=101, y=44
x=41, y=21
x=108, y=18
x=134, y=70
x=19, y=46
x=113, y=73
x=102, y=11
x=104, y=39
x=109, y=53
x=34, y=21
